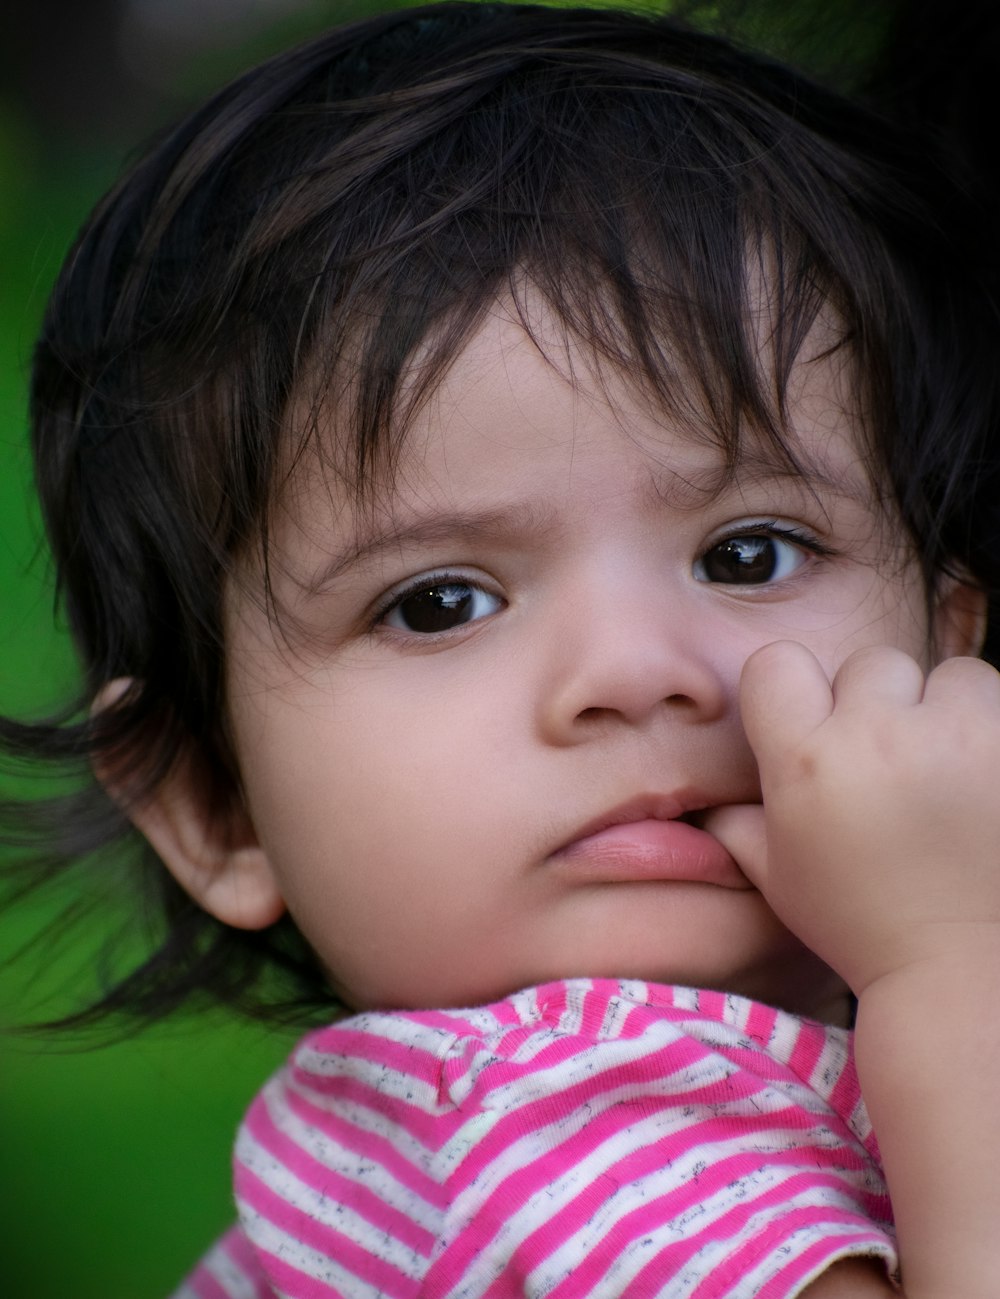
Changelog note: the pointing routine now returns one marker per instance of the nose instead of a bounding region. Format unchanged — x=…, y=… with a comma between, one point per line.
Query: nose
x=629, y=659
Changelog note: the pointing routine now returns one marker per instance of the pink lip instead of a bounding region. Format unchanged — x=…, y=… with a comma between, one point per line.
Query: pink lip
x=646, y=841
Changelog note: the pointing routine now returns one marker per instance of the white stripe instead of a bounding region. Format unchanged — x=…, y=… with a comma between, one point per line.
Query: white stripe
x=228, y=1274
x=617, y=1014
x=223, y=1269
x=505, y=1101
x=829, y=1068
x=399, y=1029
x=548, y=1201
x=687, y=999
x=326, y=1149
x=321, y=1208
x=589, y=1063
x=850, y=1241
x=859, y=1121
x=738, y=1012
x=638, y=1251
x=704, y=1213
x=380, y=1081
x=320, y=1267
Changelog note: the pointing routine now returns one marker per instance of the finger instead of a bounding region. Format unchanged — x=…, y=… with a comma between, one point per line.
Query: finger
x=875, y=677
x=784, y=696
x=963, y=681
x=740, y=828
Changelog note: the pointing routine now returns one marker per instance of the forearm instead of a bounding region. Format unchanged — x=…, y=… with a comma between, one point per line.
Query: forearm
x=928, y=1054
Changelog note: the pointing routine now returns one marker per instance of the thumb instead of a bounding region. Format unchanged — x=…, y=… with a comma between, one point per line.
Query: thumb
x=740, y=828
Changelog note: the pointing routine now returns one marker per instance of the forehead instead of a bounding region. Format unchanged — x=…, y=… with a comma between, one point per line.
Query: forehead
x=523, y=380
x=523, y=390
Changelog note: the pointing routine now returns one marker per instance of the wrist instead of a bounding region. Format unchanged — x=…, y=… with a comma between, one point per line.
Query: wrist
x=928, y=1046
x=937, y=959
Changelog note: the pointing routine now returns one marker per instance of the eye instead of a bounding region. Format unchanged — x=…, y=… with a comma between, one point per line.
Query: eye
x=755, y=558
x=439, y=605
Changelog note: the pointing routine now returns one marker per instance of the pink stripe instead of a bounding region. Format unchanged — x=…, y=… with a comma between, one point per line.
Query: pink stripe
x=552, y=1109
x=234, y=1249
x=472, y=1022
x=357, y=1052
x=761, y=1022
x=828, y=1250
x=376, y=1145
x=656, y=1213
x=846, y=1093
x=781, y=1228
x=562, y=1025
x=674, y=1257
x=336, y=1187
x=604, y=1124
x=504, y=1070
x=294, y=1284
x=241, y=1253
x=610, y=1072
x=780, y=1233
x=807, y=1050
x=554, y=999
x=593, y=1010
x=430, y=1129
x=204, y=1284
x=712, y=1005
x=322, y=1237
x=760, y=1064
x=651, y=1158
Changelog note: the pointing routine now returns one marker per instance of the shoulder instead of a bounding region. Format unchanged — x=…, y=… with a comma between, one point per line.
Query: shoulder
x=580, y=1036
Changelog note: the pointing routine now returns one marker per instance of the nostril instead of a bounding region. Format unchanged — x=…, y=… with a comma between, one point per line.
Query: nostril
x=593, y=714
x=597, y=713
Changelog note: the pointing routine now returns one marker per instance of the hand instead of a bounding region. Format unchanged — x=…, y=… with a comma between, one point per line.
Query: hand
x=878, y=843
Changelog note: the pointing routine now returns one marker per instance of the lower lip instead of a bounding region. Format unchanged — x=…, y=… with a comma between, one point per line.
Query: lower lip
x=653, y=850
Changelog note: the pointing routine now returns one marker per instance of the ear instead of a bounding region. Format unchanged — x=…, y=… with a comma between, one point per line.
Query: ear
x=959, y=619
x=200, y=829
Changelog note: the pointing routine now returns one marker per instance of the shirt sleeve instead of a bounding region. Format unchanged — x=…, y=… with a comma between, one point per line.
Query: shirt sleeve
x=230, y=1270
x=588, y=1138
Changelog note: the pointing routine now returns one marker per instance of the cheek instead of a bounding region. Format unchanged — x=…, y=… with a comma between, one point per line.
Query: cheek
x=885, y=611
x=382, y=816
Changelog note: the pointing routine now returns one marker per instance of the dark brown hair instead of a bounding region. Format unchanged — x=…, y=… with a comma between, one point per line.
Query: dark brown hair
x=374, y=191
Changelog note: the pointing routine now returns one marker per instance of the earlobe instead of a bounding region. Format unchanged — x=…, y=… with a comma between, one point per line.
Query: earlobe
x=204, y=837
x=959, y=620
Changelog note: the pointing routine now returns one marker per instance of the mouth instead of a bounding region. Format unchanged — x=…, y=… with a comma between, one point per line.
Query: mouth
x=689, y=808
x=651, y=839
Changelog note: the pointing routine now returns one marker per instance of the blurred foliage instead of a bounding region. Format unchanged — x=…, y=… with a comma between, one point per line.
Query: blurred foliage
x=115, y=1166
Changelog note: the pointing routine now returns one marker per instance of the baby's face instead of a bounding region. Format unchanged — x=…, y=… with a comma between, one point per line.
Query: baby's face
x=477, y=754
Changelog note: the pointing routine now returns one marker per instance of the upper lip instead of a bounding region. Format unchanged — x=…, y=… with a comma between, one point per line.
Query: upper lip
x=682, y=805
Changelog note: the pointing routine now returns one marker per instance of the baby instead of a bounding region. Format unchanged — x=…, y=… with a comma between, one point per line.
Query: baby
x=523, y=484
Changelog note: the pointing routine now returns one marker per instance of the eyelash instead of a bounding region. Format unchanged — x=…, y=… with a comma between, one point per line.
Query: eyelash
x=767, y=529
x=423, y=582
x=775, y=528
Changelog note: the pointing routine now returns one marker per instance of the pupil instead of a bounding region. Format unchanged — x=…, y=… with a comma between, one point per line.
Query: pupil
x=438, y=608
x=741, y=559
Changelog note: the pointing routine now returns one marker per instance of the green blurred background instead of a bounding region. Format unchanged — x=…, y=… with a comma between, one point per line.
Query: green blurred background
x=114, y=1163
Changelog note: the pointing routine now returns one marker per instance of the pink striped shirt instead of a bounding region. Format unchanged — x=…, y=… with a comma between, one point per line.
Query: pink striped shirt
x=585, y=1138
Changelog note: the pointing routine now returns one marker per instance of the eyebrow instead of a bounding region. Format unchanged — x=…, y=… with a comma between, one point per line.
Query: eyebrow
x=521, y=521
x=706, y=484
x=505, y=524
